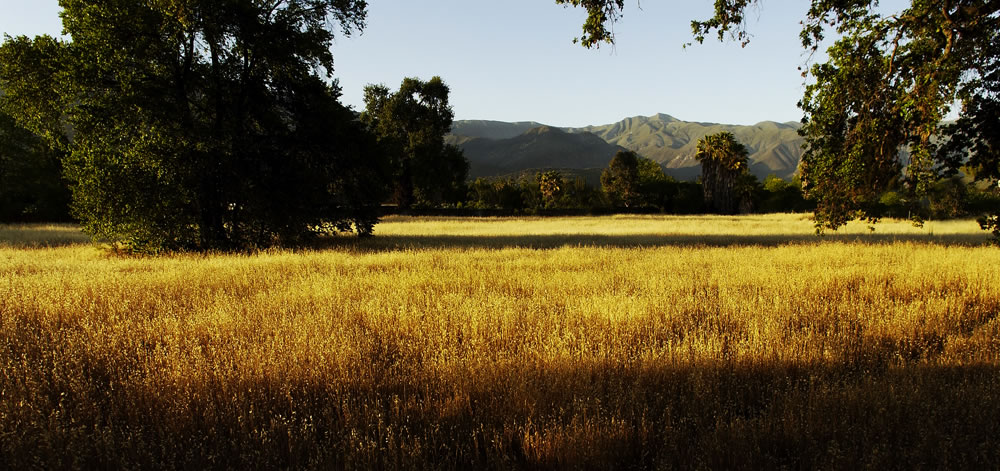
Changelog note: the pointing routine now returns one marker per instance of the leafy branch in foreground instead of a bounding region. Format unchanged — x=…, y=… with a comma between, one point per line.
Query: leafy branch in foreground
x=874, y=111
x=913, y=67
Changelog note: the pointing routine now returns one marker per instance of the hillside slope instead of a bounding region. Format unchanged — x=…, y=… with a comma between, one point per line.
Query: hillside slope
x=492, y=129
x=540, y=147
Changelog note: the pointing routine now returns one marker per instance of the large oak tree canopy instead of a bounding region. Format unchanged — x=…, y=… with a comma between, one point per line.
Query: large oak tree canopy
x=889, y=83
x=410, y=125
x=199, y=124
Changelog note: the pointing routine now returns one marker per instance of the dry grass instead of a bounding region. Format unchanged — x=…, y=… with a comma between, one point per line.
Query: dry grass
x=626, y=342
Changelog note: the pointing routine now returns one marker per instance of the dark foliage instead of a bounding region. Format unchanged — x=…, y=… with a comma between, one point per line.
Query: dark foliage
x=620, y=181
x=31, y=184
x=199, y=124
x=725, y=178
x=783, y=196
x=410, y=125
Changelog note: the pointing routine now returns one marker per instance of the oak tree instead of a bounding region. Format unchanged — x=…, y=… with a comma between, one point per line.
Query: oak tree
x=620, y=180
x=410, y=125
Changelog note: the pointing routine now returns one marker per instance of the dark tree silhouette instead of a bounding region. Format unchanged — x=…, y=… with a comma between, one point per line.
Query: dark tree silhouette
x=199, y=124
x=31, y=184
x=620, y=180
x=410, y=125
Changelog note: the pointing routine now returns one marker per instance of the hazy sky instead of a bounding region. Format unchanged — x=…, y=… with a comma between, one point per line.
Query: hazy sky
x=514, y=60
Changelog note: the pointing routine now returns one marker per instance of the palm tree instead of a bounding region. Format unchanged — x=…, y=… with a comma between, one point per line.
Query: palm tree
x=723, y=161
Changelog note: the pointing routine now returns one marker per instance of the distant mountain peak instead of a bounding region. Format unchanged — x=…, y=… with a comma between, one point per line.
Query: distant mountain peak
x=664, y=118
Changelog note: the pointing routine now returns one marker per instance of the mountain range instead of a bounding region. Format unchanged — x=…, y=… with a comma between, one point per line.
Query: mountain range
x=501, y=148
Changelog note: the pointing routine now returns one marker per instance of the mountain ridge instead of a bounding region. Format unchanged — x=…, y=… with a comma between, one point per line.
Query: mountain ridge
x=497, y=146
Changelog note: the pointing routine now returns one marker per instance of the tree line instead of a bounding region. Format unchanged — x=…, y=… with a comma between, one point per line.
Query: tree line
x=631, y=183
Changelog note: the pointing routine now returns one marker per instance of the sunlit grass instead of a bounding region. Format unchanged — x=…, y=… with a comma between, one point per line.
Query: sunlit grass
x=770, y=225
x=596, y=342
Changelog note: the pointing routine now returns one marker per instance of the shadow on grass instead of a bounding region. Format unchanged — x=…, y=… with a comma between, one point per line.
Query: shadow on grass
x=617, y=417
x=66, y=408
x=552, y=241
x=31, y=236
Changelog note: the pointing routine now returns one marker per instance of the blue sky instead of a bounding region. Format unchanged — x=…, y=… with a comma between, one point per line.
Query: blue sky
x=514, y=60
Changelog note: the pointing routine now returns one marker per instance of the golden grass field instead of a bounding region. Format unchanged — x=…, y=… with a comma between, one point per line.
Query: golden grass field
x=649, y=342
